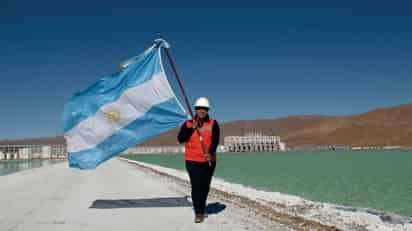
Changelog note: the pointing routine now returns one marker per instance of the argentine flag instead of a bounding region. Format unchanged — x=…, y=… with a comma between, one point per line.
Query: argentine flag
x=121, y=110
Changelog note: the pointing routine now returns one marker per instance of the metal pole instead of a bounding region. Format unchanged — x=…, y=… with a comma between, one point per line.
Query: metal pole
x=169, y=58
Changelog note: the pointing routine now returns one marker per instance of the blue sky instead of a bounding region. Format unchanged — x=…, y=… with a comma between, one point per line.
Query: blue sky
x=253, y=59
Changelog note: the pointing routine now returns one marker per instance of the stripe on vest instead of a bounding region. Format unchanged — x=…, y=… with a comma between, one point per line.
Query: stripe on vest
x=208, y=128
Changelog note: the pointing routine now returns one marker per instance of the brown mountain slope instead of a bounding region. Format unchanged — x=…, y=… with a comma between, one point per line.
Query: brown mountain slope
x=34, y=141
x=381, y=127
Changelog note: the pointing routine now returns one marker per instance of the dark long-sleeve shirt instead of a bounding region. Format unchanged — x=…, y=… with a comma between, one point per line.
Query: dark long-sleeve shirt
x=185, y=134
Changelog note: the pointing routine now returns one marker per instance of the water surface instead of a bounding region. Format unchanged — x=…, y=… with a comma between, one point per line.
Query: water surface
x=12, y=166
x=374, y=179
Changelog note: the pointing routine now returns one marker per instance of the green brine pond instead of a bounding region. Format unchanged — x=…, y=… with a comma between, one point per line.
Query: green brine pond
x=12, y=166
x=373, y=179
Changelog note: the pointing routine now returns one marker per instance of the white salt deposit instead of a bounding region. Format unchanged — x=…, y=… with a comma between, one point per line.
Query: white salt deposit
x=344, y=218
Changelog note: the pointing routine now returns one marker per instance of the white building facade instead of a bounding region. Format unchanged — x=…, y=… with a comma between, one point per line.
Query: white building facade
x=31, y=151
x=253, y=143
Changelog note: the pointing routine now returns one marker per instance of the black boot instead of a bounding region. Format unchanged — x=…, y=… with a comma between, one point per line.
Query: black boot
x=199, y=218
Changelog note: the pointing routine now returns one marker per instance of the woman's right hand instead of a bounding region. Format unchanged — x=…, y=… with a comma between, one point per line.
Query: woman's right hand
x=194, y=124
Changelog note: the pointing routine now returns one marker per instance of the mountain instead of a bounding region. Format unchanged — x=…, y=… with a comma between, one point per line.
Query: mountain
x=380, y=127
x=35, y=141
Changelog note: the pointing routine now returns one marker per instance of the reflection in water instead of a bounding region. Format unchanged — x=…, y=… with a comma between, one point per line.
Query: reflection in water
x=12, y=166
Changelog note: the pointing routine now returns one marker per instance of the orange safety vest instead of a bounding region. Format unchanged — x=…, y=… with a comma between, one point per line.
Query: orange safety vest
x=193, y=148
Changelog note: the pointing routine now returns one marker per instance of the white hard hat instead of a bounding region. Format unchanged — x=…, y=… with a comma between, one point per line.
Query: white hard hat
x=202, y=102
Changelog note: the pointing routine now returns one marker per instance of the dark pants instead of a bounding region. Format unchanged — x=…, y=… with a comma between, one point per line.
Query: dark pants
x=200, y=177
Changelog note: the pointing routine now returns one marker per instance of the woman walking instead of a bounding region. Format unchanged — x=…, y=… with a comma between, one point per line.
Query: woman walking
x=200, y=172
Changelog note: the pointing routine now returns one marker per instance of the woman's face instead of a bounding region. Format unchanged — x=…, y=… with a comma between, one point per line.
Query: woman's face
x=201, y=112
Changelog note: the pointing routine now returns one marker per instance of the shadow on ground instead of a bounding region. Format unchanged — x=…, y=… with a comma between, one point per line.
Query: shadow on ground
x=141, y=203
x=215, y=208
x=212, y=208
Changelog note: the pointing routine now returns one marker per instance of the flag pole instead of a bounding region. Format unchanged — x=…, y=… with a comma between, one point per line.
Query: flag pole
x=189, y=108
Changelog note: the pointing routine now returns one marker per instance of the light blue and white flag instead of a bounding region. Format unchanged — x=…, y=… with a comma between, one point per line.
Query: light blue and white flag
x=121, y=110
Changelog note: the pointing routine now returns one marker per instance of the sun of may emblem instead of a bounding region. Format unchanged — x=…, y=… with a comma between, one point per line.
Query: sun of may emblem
x=113, y=115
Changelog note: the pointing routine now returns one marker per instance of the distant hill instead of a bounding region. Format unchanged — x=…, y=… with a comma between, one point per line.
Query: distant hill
x=380, y=127
x=35, y=141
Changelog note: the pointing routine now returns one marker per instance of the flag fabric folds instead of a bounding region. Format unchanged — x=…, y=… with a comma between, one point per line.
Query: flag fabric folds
x=121, y=110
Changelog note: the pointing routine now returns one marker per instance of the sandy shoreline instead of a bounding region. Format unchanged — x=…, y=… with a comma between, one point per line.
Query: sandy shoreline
x=328, y=215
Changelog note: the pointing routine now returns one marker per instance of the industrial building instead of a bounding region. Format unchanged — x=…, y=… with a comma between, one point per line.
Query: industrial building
x=41, y=148
x=253, y=142
x=55, y=147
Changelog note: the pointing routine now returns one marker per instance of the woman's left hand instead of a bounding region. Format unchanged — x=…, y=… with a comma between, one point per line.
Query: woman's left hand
x=208, y=156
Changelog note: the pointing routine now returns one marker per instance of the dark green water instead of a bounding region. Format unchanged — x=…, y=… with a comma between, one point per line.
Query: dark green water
x=373, y=179
x=12, y=166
